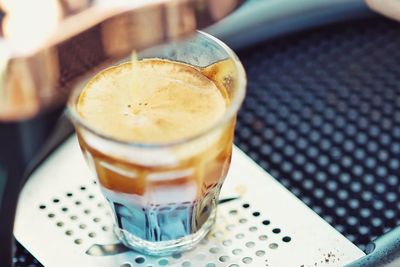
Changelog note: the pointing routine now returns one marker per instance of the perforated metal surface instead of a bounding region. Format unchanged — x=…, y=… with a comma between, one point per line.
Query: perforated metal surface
x=259, y=222
x=322, y=116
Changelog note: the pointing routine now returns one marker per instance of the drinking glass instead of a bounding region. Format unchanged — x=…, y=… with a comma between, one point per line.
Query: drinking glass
x=164, y=195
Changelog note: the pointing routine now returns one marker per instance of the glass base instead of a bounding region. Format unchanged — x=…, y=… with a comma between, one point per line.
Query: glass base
x=164, y=248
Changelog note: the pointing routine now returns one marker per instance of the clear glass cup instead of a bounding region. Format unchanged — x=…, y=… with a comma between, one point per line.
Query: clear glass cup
x=164, y=195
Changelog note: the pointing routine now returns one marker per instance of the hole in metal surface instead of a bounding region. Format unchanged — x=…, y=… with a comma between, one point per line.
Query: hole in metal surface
x=140, y=259
x=256, y=214
x=266, y=222
x=247, y=260
x=233, y=212
x=242, y=220
x=56, y=200
x=163, y=262
x=96, y=219
x=64, y=209
x=74, y=217
x=82, y=226
x=176, y=255
x=100, y=205
x=236, y=251
x=78, y=241
x=51, y=215
x=105, y=228
x=250, y=244
x=86, y=211
x=286, y=239
x=69, y=232
x=217, y=234
x=78, y=202
x=273, y=246
x=263, y=237
x=69, y=194
x=90, y=196
x=260, y=253
x=214, y=250
x=126, y=265
x=60, y=224
x=186, y=264
x=83, y=188
x=239, y=236
x=223, y=258
x=246, y=205
x=42, y=207
x=92, y=234
x=227, y=242
x=253, y=229
x=276, y=230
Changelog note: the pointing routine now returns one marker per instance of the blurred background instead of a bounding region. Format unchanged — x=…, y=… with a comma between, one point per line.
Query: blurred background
x=322, y=112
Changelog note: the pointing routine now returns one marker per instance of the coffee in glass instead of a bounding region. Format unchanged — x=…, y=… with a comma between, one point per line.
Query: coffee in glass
x=158, y=133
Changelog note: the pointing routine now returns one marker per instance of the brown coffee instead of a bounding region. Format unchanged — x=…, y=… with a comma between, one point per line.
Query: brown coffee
x=159, y=191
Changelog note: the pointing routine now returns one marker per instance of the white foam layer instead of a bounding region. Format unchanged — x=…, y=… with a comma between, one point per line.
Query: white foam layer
x=152, y=156
x=162, y=195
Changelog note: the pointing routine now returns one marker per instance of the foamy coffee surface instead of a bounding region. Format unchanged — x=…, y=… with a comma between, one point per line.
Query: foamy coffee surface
x=151, y=101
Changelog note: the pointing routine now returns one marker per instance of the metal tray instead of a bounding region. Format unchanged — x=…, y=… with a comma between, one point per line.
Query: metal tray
x=62, y=218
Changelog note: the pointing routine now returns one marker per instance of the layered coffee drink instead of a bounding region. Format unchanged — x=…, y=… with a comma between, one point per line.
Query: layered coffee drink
x=169, y=195
x=158, y=133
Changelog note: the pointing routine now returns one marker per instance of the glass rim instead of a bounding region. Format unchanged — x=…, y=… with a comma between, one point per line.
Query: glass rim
x=231, y=111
